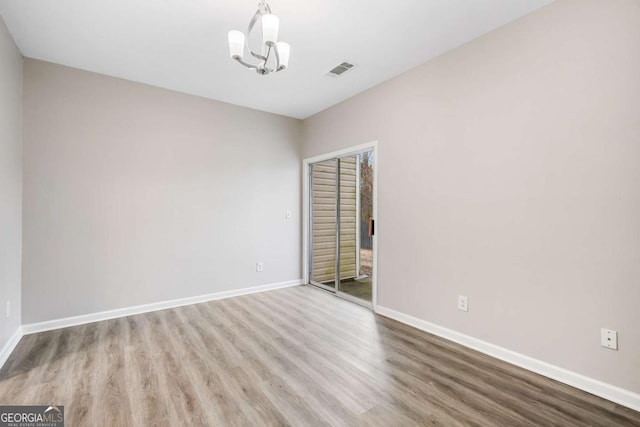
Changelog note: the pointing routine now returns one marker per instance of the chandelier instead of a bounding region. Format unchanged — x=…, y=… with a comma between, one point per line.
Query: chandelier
x=274, y=55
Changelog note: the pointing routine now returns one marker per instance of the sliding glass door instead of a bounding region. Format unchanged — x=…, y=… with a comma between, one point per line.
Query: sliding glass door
x=341, y=207
x=324, y=211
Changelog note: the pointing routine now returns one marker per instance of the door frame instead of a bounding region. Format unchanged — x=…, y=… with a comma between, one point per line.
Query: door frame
x=306, y=225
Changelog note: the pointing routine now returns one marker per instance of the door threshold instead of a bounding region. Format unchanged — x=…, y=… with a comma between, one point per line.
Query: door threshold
x=354, y=300
x=342, y=295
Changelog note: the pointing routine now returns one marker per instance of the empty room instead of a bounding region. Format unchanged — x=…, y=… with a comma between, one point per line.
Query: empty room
x=344, y=213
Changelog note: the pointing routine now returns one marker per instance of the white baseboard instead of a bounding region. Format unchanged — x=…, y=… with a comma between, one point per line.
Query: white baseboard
x=590, y=385
x=139, y=309
x=10, y=346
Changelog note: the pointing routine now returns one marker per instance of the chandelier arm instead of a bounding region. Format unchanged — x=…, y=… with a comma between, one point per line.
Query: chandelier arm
x=246, y=64
x=271, y=70
x=275, y=49
x=252, y=23
x=269, y=47
x=264, y=6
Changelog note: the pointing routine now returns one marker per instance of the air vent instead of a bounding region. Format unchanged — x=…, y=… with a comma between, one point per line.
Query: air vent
x=340, y=69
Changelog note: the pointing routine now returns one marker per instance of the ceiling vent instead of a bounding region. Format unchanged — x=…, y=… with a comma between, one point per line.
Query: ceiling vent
x=340, y=69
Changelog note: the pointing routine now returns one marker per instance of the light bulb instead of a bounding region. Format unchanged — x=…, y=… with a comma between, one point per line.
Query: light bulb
x=270, y=24
x=284, y=51
x=236, y=44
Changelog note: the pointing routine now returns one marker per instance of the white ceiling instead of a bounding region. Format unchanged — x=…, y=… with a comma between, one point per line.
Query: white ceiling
x=182, y=45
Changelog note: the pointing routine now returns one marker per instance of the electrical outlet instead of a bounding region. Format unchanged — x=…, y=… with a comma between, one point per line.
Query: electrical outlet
x=463, y=303
x=609, y=338
x=259, y=266
x=8, y=310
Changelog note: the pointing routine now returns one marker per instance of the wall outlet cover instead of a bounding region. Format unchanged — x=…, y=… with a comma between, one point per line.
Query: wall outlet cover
x=463, y=303
x=609, y=338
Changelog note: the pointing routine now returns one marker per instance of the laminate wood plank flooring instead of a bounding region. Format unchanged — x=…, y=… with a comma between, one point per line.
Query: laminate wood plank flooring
x=296, y=356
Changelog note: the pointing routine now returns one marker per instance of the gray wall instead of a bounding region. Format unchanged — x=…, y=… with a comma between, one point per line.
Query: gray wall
x=509, y=172
x=10, y=182
x=134, y=194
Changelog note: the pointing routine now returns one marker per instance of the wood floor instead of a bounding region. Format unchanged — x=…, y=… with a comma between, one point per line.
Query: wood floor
x=359, y=288
x=296, y=356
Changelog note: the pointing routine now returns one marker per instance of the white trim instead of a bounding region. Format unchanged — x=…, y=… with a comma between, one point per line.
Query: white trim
x=607, y=391
x=369, y=146
x=358, y=217
x=139, y=309
x=305, y=221
x=376, y=230
x=10, y=346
